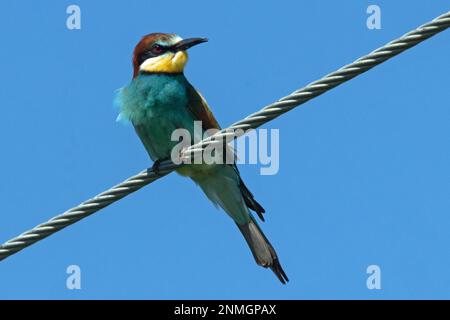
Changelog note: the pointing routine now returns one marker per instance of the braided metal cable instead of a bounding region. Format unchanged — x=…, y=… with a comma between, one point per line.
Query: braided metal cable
x=328, y=82
x=253, y=121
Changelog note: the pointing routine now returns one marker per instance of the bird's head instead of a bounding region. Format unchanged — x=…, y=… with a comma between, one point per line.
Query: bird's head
x=162, y=53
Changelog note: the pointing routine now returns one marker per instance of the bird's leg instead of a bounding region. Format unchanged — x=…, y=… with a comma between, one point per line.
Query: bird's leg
x=157, y=163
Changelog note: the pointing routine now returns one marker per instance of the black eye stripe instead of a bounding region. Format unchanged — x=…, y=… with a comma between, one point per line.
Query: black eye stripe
x=153, y=51
x=157, y=49
x=144, y=56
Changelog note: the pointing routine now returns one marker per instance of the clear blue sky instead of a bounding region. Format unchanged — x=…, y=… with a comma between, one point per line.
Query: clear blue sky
x=364, y=169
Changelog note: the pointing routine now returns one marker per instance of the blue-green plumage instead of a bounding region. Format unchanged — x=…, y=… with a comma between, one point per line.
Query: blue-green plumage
x=160, y=100
x=145, y=103
x=156, y=105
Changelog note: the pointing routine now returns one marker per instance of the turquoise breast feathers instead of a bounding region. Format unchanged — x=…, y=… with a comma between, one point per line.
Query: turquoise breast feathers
x=156, y=105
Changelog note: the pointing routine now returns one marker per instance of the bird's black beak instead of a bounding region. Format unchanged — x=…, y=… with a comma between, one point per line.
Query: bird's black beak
x=187, y=43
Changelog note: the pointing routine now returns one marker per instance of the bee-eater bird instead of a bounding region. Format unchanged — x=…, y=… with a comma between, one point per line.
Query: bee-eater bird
x=159, y=100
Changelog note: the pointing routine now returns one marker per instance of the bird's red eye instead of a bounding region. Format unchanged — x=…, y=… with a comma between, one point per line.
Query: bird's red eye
x=157, y=49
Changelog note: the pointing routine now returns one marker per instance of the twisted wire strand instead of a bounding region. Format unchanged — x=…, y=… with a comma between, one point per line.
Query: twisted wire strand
x=328, y=82
x=252, y=121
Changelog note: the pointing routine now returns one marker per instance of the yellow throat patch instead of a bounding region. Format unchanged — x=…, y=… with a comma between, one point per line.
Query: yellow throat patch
x=168, y=63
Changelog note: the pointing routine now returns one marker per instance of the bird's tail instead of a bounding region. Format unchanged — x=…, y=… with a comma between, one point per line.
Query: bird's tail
x=262, y=250
x=225, y=189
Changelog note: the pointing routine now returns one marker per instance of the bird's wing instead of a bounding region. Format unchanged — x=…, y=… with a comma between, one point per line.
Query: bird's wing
x=200, y=110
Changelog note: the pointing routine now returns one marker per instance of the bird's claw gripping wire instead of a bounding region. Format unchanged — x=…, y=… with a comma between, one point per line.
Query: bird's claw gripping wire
x=157, y=164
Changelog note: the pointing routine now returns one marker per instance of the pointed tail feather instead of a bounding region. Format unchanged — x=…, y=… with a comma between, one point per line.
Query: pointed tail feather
x=226, y=189
x=262, y=250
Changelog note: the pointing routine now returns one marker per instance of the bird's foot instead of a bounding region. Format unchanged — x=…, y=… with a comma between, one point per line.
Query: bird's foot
x=157, y=164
